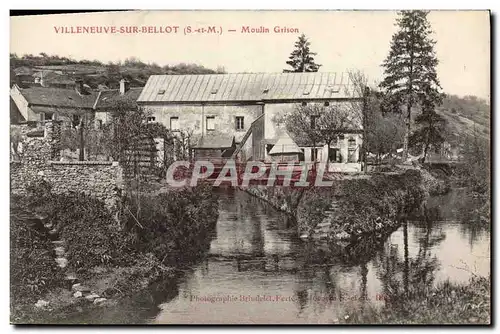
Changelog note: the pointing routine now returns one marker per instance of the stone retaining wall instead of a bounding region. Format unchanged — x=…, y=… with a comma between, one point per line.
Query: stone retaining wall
x=100, y=179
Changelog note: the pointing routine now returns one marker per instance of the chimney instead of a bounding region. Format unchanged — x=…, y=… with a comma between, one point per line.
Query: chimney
x=124, y=86
x=79, y=86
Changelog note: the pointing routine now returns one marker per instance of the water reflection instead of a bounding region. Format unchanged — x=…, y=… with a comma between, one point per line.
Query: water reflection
x=256, y=253
x=258, y=271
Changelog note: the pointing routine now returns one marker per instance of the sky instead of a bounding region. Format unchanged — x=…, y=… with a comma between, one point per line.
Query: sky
x=343, y=40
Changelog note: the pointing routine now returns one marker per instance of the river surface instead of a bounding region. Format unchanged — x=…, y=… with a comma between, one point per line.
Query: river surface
x=258, y=271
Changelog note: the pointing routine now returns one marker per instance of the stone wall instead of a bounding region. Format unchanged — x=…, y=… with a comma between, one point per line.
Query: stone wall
x=100, y=179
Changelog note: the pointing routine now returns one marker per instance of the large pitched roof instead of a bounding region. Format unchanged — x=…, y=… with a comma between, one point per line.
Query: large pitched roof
x=58, y=97
x=246, y=87
x=50, y=99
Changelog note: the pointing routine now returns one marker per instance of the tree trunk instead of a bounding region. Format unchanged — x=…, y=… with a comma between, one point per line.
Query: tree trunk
x=366, y=92
x=327, y=156
x=406, y=270
x=410, y=102
x=82, y=144
x=406, y=136
x=426, y=149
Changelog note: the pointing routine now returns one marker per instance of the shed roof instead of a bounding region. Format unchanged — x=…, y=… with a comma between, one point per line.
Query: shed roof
x=246, y=87
x=285, y=145
x=215, y=141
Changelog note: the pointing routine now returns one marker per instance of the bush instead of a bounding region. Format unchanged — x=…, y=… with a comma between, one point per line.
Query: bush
x=90, y=232
x=174, y=225
x=33, y=270
x=360, y=202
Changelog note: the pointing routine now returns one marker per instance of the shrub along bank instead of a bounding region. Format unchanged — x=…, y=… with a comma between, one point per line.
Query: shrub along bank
x=155, y=237
x=351, y=207
x=448, y=303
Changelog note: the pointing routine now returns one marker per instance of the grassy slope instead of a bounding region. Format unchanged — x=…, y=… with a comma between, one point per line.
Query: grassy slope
x=447, y=304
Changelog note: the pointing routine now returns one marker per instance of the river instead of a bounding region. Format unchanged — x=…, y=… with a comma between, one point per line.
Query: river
x=258, y=271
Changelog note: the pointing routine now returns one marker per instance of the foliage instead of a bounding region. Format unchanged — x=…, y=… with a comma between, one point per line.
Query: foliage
x=301, y=58
x=475, y=170
x=384, y=131
x=474, y=108
x=430, y=131
x=410, y=77
x=128, y=135
x=110, y=74
x=361, y=202
x=172, y=223
x=448, y=303
x=87, y=227
x=313, y=124
x=33, y=270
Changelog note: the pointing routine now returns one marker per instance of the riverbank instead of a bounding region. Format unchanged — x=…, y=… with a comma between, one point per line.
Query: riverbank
x=107, y=261
x=446, y=304
x=350, y=208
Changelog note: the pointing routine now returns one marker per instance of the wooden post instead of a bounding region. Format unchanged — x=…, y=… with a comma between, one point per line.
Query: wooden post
x=82, y=143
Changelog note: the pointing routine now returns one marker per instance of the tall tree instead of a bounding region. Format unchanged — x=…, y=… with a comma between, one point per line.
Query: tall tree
x=302, y=59
x=410, y=68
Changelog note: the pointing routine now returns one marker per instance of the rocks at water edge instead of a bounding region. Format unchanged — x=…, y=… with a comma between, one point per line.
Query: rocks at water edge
x=62, y=262
x=80, y=287
x=41, y=303
x=60, y=251
x=92, y=297
x=99, y=301
x=342, y=236
x=78, y=294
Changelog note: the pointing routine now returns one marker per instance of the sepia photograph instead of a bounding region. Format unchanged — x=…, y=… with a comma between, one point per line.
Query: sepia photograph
x=251, y=167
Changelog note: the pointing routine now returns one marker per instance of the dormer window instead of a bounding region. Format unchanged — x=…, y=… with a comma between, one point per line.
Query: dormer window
x=306, y=93
x=214, y=91
x=265, y=91
x=161, y=92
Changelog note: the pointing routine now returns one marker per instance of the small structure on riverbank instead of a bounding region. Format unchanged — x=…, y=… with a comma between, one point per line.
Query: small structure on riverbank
x=286, y=149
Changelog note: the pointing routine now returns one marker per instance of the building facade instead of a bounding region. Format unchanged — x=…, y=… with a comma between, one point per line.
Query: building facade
x=245, y=107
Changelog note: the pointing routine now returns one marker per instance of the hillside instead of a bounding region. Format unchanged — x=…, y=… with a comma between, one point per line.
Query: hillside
x=95, y=73
x=466, y=115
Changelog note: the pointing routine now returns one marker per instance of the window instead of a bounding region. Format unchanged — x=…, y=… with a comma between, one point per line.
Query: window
x=351, y=142
x=99, y=124
x=151, y=119
x=210, y=123
x=76, y=120
x=174, y=123
x=304, y=104
x=314, y=120
x=314, y=154
x=327, y=104
x=240, y=125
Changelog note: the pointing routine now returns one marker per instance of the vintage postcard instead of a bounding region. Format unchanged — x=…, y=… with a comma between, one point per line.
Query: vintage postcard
x=250, y=167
